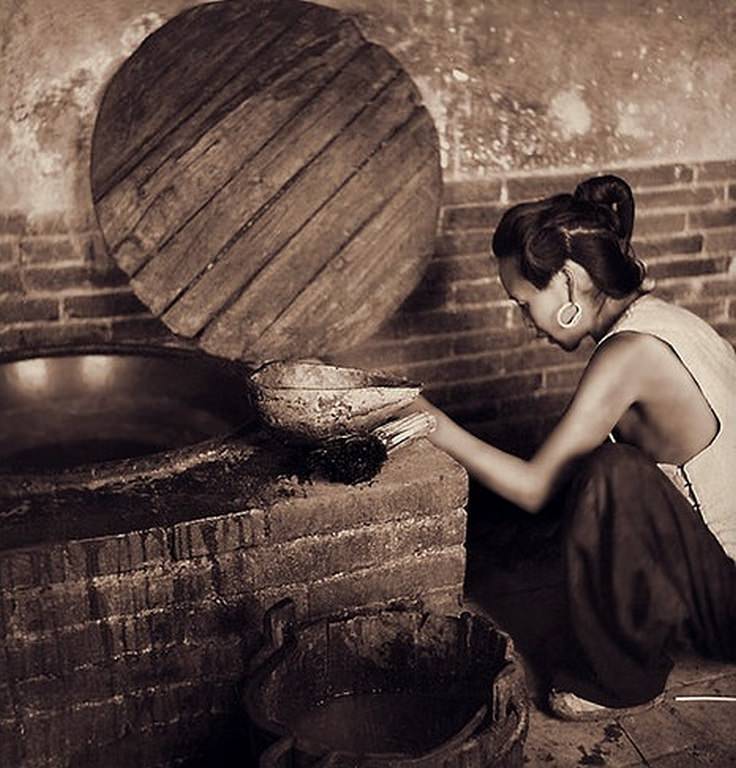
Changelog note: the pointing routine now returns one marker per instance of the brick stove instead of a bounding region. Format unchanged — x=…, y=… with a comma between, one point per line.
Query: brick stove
x=132, y=592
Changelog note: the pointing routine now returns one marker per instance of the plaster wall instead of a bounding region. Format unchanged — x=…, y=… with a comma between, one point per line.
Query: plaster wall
x=540, y=84
x=56, y=59
x=512, y=86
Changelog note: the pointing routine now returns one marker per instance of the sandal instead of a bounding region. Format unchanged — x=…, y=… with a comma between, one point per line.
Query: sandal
x=569, y=706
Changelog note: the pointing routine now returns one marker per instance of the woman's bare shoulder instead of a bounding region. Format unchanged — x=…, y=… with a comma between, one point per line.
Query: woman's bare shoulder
x=636, y=357
x=622, y=347
x=631, y=345
x=621, y=365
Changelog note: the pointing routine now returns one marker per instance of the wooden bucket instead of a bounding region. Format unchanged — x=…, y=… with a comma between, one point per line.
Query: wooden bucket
x=394, y=687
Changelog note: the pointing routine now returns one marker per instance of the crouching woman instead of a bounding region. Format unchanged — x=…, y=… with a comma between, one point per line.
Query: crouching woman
x=645, y=453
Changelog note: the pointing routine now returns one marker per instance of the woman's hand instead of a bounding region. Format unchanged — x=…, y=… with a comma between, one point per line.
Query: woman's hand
x=502, y=472
x=612, y=382
x=422, y=405
x=444, y=425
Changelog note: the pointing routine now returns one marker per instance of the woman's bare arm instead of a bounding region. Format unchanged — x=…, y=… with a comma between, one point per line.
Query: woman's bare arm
x=610, y=385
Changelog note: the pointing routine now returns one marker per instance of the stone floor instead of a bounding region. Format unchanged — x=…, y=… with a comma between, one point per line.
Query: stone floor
x=514, y=575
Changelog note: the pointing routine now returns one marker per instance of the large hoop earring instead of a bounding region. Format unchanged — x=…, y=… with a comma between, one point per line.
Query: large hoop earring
x=569, y=314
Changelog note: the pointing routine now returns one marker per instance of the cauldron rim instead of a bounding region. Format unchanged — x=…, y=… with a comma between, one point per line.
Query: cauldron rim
x=111, y=348
x=48, y=480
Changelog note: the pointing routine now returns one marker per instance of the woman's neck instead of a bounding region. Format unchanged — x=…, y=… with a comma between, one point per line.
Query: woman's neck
x=610, y=311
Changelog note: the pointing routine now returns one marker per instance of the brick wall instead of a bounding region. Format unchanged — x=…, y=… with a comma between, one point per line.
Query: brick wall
x=59, y=286
x=457, y=333
x=125, y=649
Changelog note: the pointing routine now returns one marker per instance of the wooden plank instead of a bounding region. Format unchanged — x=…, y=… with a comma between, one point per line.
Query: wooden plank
x=223, y=169
x=211, y=167
x=353, y=313
x=325, y=316
x=211, y=145
x=291, y=271
x=374, y=298
x=296, y=144
x=241, y=258
x=121, y=198
x=166, y=75
x=282, y=219
x=238, y=100
x=207, y=63
x=218, y=166
x=361, y=266
x=266, y=62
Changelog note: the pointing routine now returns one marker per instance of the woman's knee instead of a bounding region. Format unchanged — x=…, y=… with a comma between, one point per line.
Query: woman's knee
x=607, y=479
x=612, y=461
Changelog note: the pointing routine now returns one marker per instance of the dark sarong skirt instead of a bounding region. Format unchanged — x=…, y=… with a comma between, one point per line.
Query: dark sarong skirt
x=643, y=574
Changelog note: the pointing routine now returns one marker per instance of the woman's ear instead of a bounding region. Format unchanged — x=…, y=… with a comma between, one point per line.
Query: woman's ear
x=568, y=274
x=577, y=278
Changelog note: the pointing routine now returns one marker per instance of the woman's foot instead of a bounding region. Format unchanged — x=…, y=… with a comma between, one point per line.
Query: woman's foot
x=570, y=706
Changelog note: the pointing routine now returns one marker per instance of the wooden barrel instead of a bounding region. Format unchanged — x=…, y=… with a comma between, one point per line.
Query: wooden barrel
x=267, y=178
x=385, y=688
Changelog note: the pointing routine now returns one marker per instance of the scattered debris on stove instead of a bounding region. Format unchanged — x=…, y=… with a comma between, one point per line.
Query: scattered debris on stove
x=358, y=457
x=350, y=459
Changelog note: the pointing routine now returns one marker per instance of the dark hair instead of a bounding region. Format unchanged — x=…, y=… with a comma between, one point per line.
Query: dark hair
x=593, y=227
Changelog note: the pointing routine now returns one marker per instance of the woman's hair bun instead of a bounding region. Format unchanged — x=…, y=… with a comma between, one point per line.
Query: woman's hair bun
x=613, y=198
x=592, y=227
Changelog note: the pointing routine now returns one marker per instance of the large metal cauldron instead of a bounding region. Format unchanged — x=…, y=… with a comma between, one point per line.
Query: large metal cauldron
x=75, y=407
x=393, y=687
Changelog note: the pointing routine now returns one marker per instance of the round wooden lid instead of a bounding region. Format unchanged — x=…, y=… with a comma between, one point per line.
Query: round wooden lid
x=267, y=178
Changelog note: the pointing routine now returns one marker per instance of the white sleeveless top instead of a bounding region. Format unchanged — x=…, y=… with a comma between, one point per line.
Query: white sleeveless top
x=708, y=479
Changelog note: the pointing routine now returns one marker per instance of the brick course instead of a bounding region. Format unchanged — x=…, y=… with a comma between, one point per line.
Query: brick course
x=59, y=286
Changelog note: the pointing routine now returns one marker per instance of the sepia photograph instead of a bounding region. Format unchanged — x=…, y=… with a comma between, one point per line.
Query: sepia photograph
x=367, y=383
